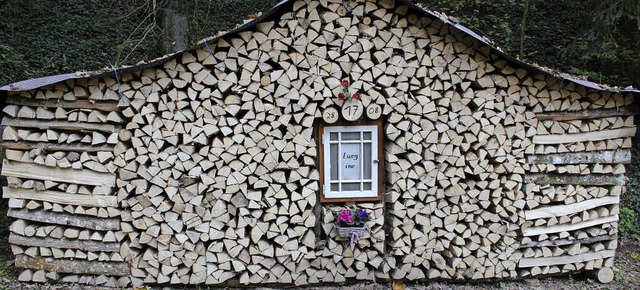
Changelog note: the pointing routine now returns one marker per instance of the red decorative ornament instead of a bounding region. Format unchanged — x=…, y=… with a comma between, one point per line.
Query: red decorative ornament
x=345, y=94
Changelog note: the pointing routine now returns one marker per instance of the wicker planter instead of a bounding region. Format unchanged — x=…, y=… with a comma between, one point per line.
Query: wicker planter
x=352, y=233
x=349, y=232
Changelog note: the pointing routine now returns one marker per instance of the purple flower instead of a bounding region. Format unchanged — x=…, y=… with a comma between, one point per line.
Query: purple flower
x=345, y=216
x=362, y=213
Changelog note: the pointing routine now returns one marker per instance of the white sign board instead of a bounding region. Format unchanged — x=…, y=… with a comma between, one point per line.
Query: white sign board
x=351, y=162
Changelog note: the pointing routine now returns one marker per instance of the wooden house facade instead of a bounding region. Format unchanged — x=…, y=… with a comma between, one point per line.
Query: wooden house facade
x=228, y=162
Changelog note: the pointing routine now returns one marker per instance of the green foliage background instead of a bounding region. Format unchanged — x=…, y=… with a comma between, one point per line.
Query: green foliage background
x=597, y=38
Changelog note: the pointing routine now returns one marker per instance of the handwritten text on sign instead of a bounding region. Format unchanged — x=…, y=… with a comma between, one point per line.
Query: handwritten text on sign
x=351, y=163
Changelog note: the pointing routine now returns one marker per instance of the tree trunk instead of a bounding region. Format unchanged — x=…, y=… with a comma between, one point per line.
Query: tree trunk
x=173, y=21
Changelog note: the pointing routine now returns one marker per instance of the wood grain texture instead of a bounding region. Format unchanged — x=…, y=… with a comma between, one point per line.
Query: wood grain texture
x=77, y=104
x=60, y=197
x=607, y=156
x=40, y=172
x=63, y=243
x=566, y=259
x=575, y=179
x=73, y=266
x=93, y=223
x=534, y=231
x=56, y=146
x=60, y=125
x=588, y=114
x=569, y=209
x=584, y=137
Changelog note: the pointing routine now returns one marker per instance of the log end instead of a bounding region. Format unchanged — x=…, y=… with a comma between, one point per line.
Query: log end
x=605, y=275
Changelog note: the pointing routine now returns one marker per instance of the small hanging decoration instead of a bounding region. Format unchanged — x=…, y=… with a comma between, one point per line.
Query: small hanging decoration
x=352, y=108
x=345, y=94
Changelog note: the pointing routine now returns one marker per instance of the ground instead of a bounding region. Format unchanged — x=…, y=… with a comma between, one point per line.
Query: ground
x=626, y=269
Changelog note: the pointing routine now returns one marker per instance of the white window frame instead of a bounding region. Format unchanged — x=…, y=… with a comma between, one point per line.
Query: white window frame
x=373, y=193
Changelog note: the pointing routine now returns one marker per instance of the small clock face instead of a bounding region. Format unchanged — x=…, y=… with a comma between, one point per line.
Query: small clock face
x=352, y=110
x=330, y=115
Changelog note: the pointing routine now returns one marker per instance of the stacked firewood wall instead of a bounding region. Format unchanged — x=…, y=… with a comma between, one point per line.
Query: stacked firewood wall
x=209, y=173
x=575, y=178
x=59, y=151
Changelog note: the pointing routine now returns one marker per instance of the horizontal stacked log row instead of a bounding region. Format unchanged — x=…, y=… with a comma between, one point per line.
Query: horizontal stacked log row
x=575, y=178
x=490, y=171
x=60, y=171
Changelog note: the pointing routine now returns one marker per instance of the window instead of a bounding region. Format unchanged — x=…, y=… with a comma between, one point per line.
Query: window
x=350, y=163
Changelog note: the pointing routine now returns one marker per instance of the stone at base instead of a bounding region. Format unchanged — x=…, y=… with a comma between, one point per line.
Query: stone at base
x=397, y=285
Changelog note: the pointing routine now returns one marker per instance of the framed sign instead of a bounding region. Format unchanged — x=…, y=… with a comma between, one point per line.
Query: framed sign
x=350, y=162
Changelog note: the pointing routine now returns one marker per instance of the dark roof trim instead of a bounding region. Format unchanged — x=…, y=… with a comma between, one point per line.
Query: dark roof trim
x=43, y=81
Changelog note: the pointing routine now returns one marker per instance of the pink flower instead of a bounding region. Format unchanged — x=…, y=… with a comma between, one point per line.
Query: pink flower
x=345, y=83
x=356, y=95
x=341, y=96
x=345, y=216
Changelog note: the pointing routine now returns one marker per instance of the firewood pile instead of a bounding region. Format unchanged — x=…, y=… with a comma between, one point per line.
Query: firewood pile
x=210, y=173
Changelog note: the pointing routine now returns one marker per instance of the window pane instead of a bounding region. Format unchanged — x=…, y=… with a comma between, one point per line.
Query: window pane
x=350, y=166
x=367, y=160
x=367, y=135
x=367, y=186
x=333, y=136
x=351, y=186
x=350, y=136
x=333, y=151
x=335, y=187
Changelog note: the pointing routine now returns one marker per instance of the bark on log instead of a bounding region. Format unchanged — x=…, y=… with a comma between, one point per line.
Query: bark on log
x=62, y=125
x=92, y=223
x=39, y=172
x=61, y=198
x=83, y=245
x=73, y=266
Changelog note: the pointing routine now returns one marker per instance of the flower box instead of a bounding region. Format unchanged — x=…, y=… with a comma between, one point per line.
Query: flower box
x=349, y=232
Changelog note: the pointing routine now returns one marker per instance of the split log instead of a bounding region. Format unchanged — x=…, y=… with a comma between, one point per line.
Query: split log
x=566, y=259
x=610, y=156
x=584, y=137
x=588, y=114
x=93, y=223
x=73, y=126
x=83, y=245
x=39, y=172
x=570, y=209
x=534, y=231
x=565, y=242
x=593, y=179
x=61, y=198
x=77, y=104
x=72, y=266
